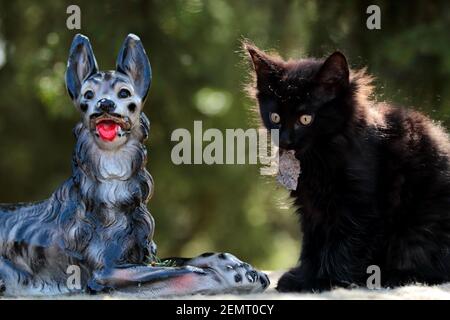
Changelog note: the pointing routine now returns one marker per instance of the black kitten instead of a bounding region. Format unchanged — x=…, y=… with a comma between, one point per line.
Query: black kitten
x=374, y=187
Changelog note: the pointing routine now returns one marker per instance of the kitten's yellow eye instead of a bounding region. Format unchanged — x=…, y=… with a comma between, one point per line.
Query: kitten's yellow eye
x=305, y=119
x=275, y=117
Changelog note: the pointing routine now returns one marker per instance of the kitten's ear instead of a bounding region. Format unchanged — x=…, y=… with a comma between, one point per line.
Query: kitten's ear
x=81, y=64
x=263, y=64
x=334, y=71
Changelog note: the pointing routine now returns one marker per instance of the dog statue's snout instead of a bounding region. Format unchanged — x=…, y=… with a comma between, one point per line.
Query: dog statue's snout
x=106, y=105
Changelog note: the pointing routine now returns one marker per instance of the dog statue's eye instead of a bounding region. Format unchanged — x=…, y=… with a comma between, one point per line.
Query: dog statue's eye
x=124, y=93
x=275, y=118
x=89, y=94
x=305, y=119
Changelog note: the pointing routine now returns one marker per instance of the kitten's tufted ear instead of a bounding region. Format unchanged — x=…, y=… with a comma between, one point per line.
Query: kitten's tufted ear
x=334, y=71
x=263, y=64
x=81, y=64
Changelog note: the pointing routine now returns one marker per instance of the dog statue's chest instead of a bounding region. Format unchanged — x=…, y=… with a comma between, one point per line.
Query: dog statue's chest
x=113, y=193
x=109, y=193
x=111, y=182
x=113, y=189
x=114, y=168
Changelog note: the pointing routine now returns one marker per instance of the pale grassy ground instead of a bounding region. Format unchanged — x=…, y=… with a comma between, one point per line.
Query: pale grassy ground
x=407, y=292
x=441, y=292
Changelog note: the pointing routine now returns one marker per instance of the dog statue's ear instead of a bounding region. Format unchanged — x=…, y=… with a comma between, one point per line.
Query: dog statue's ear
x=80, y=66
x=133, y=62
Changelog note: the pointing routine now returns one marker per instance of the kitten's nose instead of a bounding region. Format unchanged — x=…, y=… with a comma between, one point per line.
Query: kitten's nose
x=286, y=141
x=106, y=105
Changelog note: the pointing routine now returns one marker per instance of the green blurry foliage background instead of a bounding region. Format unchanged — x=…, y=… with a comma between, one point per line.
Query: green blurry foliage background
x=199, y=73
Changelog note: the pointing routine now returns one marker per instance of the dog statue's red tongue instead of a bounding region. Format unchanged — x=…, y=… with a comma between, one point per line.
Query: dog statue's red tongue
x=107, y=130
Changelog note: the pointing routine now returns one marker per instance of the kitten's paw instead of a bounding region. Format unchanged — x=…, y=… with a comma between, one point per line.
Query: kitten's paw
x=293, y=282
x=289, y=282
x=231, y=274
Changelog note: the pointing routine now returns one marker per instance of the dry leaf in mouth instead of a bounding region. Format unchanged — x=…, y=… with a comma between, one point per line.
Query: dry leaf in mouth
x=288, y=170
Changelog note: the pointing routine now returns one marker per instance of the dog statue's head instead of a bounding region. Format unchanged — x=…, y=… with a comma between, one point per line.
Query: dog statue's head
x=111, y=101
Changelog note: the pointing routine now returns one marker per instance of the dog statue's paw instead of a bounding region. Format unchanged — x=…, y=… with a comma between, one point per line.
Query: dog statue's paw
x=94, y=287
x=2, y=286
x=231, y=274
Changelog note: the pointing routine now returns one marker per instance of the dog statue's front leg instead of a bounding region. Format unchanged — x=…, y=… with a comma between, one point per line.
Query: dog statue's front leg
x=131, y=276
x=206, y=274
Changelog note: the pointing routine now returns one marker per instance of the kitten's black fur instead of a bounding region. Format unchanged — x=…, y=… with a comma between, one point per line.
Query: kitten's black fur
x=374, y=187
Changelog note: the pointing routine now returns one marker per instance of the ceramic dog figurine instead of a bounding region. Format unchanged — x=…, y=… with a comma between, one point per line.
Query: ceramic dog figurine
x=97, y=220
